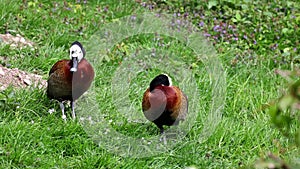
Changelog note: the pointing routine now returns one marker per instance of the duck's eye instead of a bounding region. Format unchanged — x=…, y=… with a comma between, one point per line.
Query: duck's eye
x=73, y=52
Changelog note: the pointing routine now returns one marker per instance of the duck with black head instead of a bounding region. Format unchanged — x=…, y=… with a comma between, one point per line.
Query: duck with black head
x=164, y=104
x=70, y=78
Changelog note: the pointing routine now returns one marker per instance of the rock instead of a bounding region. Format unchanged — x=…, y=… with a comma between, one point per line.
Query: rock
x=1, y=72
x=15, y=41
x=27, y=81
x=19, y=79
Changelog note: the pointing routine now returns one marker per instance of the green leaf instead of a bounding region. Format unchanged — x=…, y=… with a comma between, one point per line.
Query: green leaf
x=290, y=4
x=244, y=6
x=286, y=102
x=298, y=19
x=231, y=1
x=248, y=22
x=268, y=14
x=233, y=20
x=285, y=50
x=273, y=111
x=238, y=16
x=297, y=138
x=182, y=9
x=212, y=3
x=294, y=89
x=285, y=30
x=3, y=96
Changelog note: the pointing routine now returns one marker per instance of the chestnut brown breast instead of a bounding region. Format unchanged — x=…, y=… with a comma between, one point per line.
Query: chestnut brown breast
x=66, y=85
x=164, y=105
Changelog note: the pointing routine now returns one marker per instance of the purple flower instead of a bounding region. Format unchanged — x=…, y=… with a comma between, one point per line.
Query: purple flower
x=254, y=42
x=201, y=24
x=216, y=28
x=143, y=4
x=273, y=47
x=150, y=6
x=295, y=49
x=236, y=39
x=206, y=34
x=245, y=37
x=105, y=9
x=133, y=17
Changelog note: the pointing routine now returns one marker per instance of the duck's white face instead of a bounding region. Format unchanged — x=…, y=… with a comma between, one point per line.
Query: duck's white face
x=76, y=52
x=76, y=55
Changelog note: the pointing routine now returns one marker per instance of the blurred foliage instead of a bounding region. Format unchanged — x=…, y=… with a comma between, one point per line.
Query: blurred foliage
x=285, y=111
x=271, y=162
x=284, y=114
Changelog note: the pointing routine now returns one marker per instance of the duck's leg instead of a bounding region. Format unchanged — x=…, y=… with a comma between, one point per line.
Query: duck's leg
x=161, y=130
x=163, y=136
x=73, y=109
x=62, y=107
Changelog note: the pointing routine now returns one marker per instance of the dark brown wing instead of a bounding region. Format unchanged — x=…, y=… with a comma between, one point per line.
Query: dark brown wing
x=60, y=81
x=58, y=65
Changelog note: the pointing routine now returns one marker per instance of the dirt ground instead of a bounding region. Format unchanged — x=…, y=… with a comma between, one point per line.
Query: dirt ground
x=20, y=79
x=15, y=77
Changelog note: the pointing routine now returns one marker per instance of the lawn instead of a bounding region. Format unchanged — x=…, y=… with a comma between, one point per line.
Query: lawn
x=225, y=63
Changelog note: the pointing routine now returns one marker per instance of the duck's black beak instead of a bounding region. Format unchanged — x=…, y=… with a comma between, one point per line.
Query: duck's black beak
x=74, y=65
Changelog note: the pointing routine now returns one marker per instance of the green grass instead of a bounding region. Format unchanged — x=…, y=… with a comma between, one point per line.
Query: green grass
x=30, y=137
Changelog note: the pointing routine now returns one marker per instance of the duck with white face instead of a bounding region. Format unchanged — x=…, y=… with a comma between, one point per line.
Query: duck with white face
x=77, y=53
x=69, y=79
